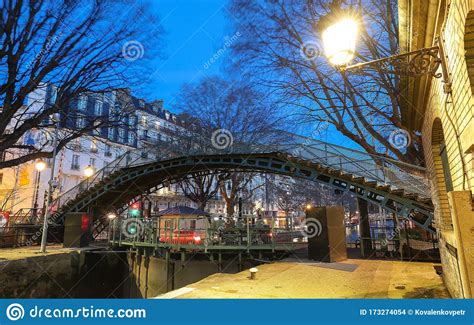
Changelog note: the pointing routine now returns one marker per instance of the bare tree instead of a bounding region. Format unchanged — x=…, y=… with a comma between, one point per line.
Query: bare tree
x=77, y=46
x=200, y=189
x=216, y=106
x=280, y=49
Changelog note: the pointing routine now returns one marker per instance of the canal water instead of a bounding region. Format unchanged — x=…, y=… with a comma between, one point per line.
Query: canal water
x=105, y=274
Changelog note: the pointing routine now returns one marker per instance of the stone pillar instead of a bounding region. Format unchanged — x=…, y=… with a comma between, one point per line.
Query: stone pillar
x=461, y=206
x=364, y=227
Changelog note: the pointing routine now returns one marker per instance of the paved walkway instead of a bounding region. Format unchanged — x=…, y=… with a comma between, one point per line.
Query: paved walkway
x=350, y=279
x=10, y=254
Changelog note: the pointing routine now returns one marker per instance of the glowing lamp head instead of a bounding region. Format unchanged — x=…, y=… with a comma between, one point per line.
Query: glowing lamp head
x=111, y=216
x=308, y=206
x=339, y=41
x=339, y=30
x=88, y=171
x=40, y=165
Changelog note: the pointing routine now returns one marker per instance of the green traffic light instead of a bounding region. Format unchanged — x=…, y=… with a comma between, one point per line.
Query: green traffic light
x=134, y=212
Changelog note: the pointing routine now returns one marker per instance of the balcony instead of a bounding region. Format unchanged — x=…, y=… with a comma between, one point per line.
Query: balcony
x=75, y=167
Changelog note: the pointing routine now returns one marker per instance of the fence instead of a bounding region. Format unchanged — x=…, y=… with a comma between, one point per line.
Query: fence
x=200, y=234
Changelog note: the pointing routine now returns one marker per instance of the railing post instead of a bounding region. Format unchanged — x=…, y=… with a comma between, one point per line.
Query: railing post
x=120, y=233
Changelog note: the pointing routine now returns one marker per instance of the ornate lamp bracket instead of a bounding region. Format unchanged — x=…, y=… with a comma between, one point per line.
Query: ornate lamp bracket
x=425, y=61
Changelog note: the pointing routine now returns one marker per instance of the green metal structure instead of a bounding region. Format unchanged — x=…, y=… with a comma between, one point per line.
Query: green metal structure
x=398, y=187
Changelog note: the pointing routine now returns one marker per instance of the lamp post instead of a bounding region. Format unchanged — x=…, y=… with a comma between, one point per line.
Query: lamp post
x=339, y=31
x=51, y=184
x=39, y=166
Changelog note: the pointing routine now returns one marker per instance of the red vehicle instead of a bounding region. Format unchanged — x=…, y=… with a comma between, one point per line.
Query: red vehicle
x=185, y=237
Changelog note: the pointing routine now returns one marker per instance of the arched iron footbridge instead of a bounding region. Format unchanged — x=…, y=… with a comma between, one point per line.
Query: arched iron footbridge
x=398, y=187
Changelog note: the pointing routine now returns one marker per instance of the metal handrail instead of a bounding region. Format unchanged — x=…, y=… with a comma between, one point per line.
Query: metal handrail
x=372, y=167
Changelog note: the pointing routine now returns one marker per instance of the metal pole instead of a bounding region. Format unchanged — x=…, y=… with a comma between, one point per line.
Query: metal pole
x=35, y=204
x=50, y=191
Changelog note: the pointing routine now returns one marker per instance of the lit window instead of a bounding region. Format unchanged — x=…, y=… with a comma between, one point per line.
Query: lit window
x=121, y=134
x=82, y=103
x=98, y=108
x=94, y=146
x=81, y=122
x=144, y=121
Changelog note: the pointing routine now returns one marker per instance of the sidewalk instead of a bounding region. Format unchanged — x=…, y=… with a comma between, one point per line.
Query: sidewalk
x=350, y=279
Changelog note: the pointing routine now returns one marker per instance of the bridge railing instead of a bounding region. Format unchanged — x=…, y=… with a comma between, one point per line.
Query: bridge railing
x=167, y=232
x=361, y=164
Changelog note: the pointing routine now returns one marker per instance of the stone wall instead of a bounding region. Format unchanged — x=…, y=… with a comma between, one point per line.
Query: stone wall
x=450, y=118
x=74, y=274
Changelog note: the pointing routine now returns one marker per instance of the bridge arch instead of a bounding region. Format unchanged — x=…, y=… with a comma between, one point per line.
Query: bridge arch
x=120, y=186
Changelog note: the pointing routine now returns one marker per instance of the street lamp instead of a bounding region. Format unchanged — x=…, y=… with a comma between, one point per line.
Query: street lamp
x=39, y=166
x=88, y=171
x=51, y=184
x=111, y=216
x=339, y=29
x=339, y=34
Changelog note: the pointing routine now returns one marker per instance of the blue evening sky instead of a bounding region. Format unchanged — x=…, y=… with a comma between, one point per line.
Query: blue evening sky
x=194, y=30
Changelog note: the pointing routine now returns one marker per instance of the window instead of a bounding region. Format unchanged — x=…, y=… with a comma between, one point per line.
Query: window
x=54, y=95
x=131, y=138
x=82, y=104
x=94, y=146
x=121, y=135
x=145, y=134
x=144, y=121
x=107, y=151
x=111, y=133
x=157, y=125
x=92, y=162
x=131, y=120
x=98, y=108
x=75, y=162
x=446, y=170
x=81, y=122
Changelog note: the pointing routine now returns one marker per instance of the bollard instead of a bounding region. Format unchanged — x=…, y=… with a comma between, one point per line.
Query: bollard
x=253, y=273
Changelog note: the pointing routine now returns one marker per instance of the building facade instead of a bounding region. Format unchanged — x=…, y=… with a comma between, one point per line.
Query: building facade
x=444, y=114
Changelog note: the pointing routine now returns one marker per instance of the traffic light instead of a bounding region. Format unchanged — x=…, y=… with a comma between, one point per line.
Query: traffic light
x=135, y=209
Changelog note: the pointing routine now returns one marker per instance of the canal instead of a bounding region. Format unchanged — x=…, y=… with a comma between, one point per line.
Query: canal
x=104, y=273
